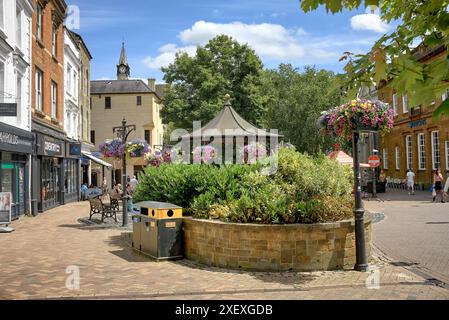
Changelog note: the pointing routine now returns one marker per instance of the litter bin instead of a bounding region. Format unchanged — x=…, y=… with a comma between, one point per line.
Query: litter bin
x=160, y=230
x=137, y=230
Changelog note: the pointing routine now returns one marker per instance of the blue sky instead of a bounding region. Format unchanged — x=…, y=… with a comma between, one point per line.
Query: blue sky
x=277, y=30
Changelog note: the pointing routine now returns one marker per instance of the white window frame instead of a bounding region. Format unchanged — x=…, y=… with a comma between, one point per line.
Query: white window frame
x=435, y=142
x=404, y=104
x=39, y=21
x=397, y=157
x=421, y=151
x=54, y=100
x=385, y=158
x=395, y=103
x=409, y=151
x=19, y=90
x=75, y=83
x=446, y=143
x=69, y=78
x=19, y=27
x=2, y=80
x=2, y=14
x=54, y=40
x=39, y=77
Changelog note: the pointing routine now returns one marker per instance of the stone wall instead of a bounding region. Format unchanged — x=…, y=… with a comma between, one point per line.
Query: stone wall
x=298, y=247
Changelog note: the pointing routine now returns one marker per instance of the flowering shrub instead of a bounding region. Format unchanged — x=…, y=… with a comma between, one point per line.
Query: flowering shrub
x=204, y=154
x=111, y=148
x=253, y=152
x=357, y=114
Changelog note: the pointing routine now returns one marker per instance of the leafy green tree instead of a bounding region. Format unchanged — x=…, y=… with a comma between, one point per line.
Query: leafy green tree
x=198, y=85
x=296, y=101
x=391, y=58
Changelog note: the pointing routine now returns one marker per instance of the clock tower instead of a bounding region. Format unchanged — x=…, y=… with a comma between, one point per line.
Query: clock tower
x=123, y=67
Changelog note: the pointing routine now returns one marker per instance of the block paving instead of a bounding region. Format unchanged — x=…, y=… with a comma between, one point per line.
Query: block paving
x=35, y=258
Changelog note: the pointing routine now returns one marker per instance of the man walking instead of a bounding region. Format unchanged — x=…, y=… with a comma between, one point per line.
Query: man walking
x=133, y=183
x=410, y=182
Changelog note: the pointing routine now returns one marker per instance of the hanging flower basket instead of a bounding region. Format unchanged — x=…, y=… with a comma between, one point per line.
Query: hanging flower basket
x=137, y=148
x=111, y=148
x=357, y=115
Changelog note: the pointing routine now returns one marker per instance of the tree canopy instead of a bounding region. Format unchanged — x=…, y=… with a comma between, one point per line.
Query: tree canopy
x=198, y=85
x=392, y=58
x=296, y=101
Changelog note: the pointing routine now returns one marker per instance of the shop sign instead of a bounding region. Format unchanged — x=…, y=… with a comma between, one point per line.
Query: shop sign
x=15, y=140
x=5, y=207
x=74, y=149
x=50, y=147
x=417, y=123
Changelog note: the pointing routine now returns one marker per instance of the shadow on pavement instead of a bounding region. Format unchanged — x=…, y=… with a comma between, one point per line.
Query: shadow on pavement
x=441, y=222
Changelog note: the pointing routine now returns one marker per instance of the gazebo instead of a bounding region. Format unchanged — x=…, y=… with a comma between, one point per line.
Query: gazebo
x=229, y=130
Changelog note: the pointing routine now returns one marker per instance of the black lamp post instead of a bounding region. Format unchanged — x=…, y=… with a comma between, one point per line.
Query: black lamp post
x=123, y=132
x=360, y=250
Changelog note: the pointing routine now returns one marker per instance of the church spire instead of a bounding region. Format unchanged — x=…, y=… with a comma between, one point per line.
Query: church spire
x=123, y=55
x=123, y=70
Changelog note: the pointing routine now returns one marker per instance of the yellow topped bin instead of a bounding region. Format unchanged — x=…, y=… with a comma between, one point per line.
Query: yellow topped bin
x=159, y=228
x=158, y=210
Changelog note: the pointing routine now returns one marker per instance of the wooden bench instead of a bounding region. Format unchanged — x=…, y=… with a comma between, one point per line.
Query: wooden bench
x=106, y=210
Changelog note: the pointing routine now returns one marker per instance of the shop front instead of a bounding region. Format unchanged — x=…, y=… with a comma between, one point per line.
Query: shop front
x=16, y=145
x=49, y=173
x=71, y=167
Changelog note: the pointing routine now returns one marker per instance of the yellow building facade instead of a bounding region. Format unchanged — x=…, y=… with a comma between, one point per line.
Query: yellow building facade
x=134, y=100
x=417, y=141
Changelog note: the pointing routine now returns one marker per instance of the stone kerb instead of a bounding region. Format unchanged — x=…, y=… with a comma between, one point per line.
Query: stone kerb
x=298, y=247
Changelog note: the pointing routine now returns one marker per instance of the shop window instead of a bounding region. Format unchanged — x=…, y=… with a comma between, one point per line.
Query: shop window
x=435, y=140
x=421, y=152
x=398, y=157
x=409, y=151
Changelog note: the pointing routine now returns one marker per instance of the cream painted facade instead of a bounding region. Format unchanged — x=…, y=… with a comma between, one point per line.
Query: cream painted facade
x=124, y=105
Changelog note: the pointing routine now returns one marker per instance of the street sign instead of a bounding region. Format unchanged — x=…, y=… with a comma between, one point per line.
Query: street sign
x=374, y=161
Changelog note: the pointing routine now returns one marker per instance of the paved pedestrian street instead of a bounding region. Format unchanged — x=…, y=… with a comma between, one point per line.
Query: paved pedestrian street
x=40, y=260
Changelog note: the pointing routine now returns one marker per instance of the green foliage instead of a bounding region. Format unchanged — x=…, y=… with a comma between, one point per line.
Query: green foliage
x=197, y=85
x=427, y=21
x=304, y=189
x=296, y=100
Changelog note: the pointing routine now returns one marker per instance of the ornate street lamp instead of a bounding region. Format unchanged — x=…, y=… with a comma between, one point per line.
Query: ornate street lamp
x=359, y=212
x=123, y=132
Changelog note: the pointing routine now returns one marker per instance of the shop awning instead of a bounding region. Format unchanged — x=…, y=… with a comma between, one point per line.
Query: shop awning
x=97, y=160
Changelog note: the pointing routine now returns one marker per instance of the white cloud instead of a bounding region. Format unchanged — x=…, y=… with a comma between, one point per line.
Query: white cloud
x=272, y=42
x=369, y=21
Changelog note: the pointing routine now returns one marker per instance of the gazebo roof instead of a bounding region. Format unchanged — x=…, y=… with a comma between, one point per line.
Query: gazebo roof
x=229, y=123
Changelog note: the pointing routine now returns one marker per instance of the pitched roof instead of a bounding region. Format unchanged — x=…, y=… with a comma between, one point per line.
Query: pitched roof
x=119, y=86
x=160, y=89
x=229, y=119
x=80, y=41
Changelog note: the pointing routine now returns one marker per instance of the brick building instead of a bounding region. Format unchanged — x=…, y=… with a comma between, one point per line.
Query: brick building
x=54, y=153
x=417, y=141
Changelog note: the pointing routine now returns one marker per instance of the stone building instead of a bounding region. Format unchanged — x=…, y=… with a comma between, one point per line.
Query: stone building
x=417, y=141
x=135, y=100
x=16, y=140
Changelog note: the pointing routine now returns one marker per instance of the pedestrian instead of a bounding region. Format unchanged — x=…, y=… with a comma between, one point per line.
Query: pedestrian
x=438, y=186
x=129, y=196
x=446, y=187
x=83, y=191
x=410, y=177
x=134, y=183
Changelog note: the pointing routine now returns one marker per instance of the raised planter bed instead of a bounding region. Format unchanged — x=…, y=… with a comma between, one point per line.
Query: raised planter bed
x=298, y=247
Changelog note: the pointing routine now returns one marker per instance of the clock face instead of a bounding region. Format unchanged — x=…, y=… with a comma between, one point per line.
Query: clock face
x=122, y=69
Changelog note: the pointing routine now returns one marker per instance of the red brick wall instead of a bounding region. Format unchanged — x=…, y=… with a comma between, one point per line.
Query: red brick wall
x=52, y=67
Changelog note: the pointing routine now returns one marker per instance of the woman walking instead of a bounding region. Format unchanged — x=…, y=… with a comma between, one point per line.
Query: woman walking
x=438, y=185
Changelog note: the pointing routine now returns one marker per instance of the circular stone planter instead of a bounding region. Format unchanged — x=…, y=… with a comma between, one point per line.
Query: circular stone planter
x=298, y=247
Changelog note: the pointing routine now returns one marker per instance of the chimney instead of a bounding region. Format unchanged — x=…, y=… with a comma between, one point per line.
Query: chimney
x=152, y=83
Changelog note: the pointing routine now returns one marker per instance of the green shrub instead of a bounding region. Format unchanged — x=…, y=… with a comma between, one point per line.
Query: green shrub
x=304, y=189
